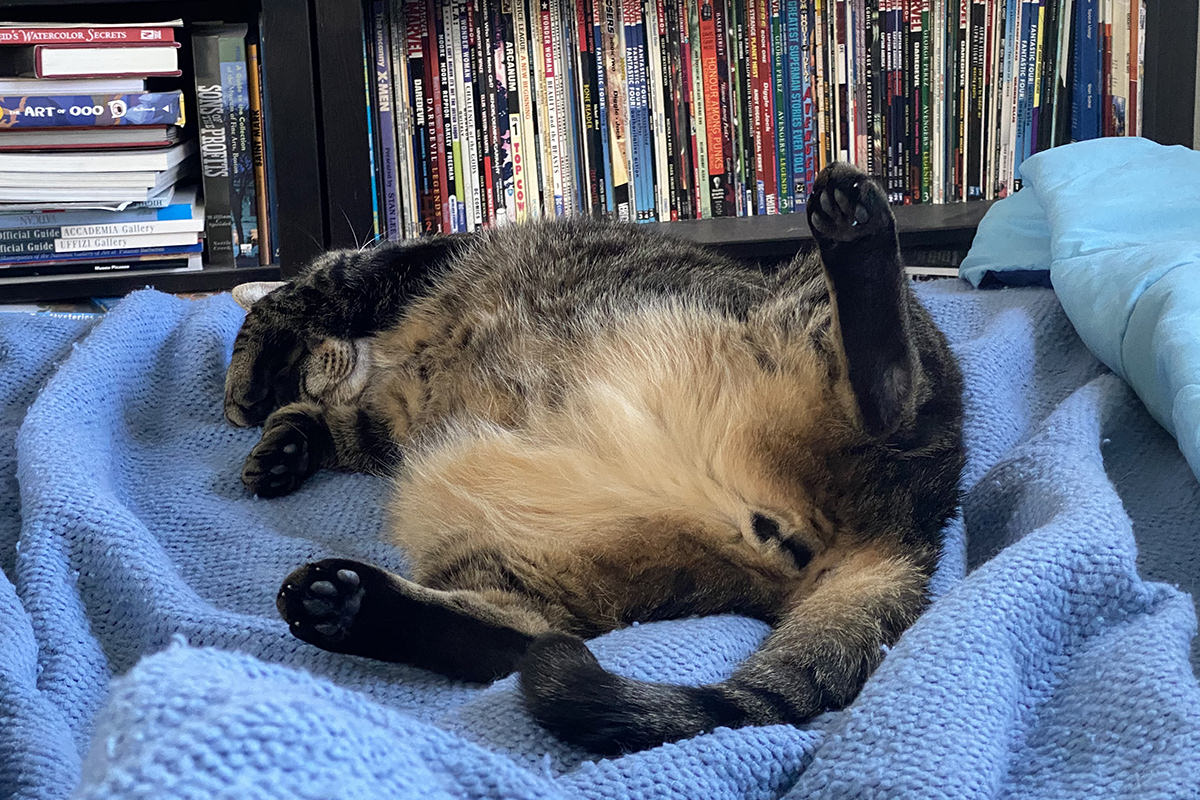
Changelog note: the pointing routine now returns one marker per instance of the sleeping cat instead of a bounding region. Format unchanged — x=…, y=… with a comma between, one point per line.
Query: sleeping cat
x=591, y=424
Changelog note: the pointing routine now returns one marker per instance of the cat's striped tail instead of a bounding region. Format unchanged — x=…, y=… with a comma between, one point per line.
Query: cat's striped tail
x=817, y=658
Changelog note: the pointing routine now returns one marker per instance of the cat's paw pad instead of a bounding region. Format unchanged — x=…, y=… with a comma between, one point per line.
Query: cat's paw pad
x=847, y=205
x=285, y=456
x=320, y=601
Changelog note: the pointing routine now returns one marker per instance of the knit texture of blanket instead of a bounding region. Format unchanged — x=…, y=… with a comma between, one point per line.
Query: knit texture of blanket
x=142, y=657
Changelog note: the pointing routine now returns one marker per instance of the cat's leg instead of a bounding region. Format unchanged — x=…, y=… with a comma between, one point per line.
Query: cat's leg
x=300, y=438
x=856, y=232
x=817, y=658
x=342, y=298
x=359, y=609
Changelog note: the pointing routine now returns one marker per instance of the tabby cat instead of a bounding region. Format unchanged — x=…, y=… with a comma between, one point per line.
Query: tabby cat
x=591, y=424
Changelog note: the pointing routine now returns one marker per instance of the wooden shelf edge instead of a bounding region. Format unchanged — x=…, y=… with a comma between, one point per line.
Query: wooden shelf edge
x=209, y=279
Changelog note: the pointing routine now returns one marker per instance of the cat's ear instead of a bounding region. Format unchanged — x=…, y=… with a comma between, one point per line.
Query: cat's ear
x=247, y=294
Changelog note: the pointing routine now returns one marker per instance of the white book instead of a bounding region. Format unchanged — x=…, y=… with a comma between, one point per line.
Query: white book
x=38, y=86
x=70, y=62
x=158, y=160
x=125, y=242
x=193, y=225
x=36, y=197
x=86, y=181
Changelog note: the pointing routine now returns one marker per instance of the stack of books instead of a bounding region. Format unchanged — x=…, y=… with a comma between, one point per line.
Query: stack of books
x=95, y=175
x=653, y=110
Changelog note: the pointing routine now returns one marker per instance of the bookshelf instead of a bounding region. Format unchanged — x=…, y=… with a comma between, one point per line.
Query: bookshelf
x=1170, y=84
x=317, y=128
x=292, y=133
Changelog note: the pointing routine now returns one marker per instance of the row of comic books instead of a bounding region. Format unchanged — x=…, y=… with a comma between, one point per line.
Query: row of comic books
x=650, y=110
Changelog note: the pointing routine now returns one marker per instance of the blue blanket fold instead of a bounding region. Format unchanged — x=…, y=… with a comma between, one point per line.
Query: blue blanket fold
x=142, y=656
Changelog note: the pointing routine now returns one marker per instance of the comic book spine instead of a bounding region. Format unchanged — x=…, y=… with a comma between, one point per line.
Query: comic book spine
x=711, y=109
x=1119, y=94
x=585, y=68
x=503, y=69
x=1047, y=67
x=408, y=167
x=488, y=121
x=697, y=111
x=1029, y=111
x=602, y=109
x=649, y=196
x=877, y=58
x=819, y=60
x=1035, y=82
x=808, y=102
x=381, y=54
x=547, y=110
x=568, y=102
x=618, y=111
x=660, y=175
x=926, y=79
x=793, y=99
x=1133, y=117
x=456, y=180
x=679, y=85
x=937, y=76
x=754, y=92
x=416, y=39
x=725, y=108
x=766, y=99
x=666, y=160
x=1141, y=63
x=469, y=117
x=528, y=152
x=631, y=16
x=974, y=146
x=779, y=100
x=1104, y=37
x=731, y=15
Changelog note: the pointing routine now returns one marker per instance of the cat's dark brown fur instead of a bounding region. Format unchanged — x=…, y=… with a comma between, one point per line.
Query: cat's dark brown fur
x=591, y=424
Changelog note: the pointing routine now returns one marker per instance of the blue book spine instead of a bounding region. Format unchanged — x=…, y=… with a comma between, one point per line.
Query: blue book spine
x=21, y=112
x=634, y=81
x=99, y=255
x=794, y=71
x=602, y=94
x=242, y=196
x=1085, y=110
x=1016, y=65
x=1034, y=9
x=59, y=219
x=804, y=183
x=388, y=163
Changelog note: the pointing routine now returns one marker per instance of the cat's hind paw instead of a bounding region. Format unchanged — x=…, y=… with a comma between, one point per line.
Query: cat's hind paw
x=321, y=601
x=846, y=205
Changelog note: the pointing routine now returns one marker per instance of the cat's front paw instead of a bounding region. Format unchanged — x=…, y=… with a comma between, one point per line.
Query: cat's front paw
x=847, y=205
x=321, y=601
x=293, y=444
x=263, y=373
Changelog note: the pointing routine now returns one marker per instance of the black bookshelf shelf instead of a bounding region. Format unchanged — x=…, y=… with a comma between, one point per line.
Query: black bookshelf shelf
x=950, y=225
x=63, y=287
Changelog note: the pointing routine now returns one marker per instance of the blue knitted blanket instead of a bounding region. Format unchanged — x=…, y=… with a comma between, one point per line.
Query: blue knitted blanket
x=141, y=655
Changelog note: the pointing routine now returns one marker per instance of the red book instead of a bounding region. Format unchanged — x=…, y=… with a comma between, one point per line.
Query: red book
x=86, y=34
x=712, y=109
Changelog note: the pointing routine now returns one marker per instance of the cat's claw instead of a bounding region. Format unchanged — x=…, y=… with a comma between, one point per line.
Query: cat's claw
x=846, y=205
x=320, y=602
